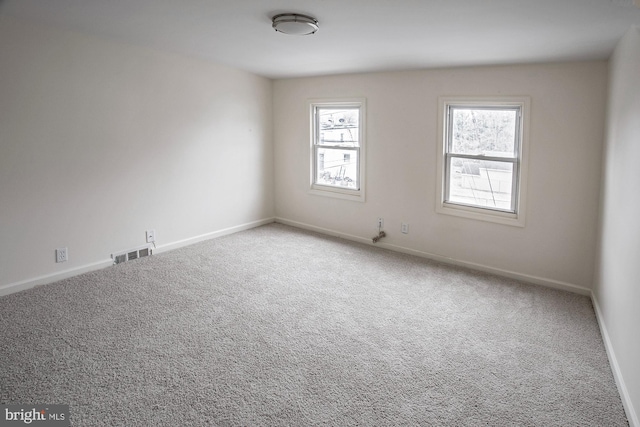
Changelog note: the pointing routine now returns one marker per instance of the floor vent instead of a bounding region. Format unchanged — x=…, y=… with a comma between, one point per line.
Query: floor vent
x=131, y=254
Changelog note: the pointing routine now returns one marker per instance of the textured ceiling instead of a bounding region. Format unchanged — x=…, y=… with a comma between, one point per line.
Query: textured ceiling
x=354, y=35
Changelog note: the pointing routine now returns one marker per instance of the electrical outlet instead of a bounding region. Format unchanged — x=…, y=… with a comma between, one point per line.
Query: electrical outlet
x=151, y=236
x=380, y=223
x=404, y=228
x=62, y=254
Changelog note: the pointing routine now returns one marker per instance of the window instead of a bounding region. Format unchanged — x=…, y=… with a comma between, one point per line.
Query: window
x=337, y=148
x=481, y=167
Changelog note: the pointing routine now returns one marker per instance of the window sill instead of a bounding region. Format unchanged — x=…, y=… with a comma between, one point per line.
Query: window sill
x=326, y=191
x=479, y=214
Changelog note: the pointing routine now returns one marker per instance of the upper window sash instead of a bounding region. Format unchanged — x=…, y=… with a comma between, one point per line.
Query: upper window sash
x=514, y=110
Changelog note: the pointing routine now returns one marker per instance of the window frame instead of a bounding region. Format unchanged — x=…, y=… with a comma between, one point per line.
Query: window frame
x=357, y=194
x=514, y=216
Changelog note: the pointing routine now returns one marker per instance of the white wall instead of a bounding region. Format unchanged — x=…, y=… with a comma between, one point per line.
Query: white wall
x=100, y=141
x=557, y=245
x=617, y=288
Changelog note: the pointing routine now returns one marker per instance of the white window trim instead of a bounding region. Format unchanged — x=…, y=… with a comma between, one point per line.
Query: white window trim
x=507, y=218
x=329, y=191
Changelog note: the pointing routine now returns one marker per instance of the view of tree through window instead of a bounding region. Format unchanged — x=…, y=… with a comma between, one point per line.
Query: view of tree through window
x=337, y=147
x=487, y=131
x=482, y=156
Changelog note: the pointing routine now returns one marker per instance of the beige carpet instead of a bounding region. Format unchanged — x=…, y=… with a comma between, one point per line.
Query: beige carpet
x=279, y=326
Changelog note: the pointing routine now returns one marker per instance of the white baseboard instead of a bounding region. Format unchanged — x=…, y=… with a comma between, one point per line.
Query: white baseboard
x=550, y=283
x=213, y=235
x=54, y=277
x=632, y=415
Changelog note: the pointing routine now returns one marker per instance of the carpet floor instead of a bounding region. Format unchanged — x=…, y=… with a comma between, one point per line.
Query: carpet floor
x=277, y=326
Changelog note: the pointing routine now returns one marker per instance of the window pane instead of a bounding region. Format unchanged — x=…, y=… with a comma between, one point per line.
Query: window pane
x=491, y=132
x=338, y=126
x=480, y=183
x=337, y=167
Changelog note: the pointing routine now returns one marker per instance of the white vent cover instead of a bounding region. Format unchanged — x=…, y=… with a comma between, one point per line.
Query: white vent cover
x=131, y=254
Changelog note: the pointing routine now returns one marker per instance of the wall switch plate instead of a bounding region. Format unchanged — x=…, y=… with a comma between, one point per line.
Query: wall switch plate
x=151, y=236
x=62, y=254
x=404, y=228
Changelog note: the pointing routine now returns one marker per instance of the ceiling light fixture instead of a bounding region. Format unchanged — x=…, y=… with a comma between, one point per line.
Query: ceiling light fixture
x=295, y=24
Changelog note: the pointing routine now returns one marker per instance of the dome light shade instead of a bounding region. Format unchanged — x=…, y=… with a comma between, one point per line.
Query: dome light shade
x=295, y=24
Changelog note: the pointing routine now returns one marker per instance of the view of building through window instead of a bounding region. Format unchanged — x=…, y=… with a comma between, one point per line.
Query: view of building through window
x=337, y=147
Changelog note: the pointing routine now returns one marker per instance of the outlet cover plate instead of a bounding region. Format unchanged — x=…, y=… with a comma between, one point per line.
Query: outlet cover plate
x=151, y=236
x=62, y=254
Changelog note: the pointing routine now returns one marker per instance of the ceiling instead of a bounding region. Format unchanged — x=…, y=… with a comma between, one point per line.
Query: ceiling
x=354, y=35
